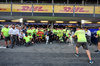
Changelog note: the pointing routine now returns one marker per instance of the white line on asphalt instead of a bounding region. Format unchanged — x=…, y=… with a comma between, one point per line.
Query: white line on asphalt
x=2, y=47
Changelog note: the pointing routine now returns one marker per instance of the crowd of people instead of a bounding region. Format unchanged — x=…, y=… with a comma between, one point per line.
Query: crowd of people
x=17, y=35
x=30, y=35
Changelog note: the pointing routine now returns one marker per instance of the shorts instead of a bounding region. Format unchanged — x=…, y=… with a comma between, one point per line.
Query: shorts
x=83, y=44
x=7, y=38
x=98, y=39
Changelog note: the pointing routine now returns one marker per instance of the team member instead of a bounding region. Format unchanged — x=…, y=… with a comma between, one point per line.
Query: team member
x=60, y=36
x=27, y=40
x=33, y=30
x=57, y=31
x=13, y=35
x=64, y=36
x=46, y=36
x=98, y=36
x=39, y=35
x=81, y=41
x=24, y=30
x=36, y=39
x=70, y=39
x=88, y=34
x=50, y=34
x=18, y=28
x=20, y=37
x=6, y=36
x=54, y=34
x=29, y=30
x=31, y=38
x=67, y=36
x=42, y=29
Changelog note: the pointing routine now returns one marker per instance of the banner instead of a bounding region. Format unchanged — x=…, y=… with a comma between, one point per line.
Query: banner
x=84, y=9
x=64, y=24
x=28, y=8
x=69, y=9
x=97, y=9
x=5, y=7
x=9, y=23
x=93, y=30
x=36, y=23
x=93, y=25
x=63, y=9
x=49, y=8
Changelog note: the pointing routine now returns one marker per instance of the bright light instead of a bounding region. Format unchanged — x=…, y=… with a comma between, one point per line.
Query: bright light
x=85, y=21
x=2, y=20
x=15, y=20
x=44, y=21
x=59, y=21
x=30, y=21
x=88, y=22
x=82, y=21
x=18, y=20
x=98, y=22
x=73, y=22
x=21, y=20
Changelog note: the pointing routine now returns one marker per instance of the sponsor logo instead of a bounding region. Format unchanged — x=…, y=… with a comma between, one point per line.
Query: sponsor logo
x=77, y=9
x=28, y=8
x=40, y=8
x=2, y=9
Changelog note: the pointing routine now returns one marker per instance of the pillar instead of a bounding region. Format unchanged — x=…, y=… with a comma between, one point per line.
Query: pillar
x=52, y=1
x=6, y=1
x=97, y=2
x=82, y=2
x=37, y=1
x=21, y=1
x=67, y=1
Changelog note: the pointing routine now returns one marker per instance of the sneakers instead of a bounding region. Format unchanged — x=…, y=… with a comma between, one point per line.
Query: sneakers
x=97, y=51
x=90, y=44
x=69, y=44
x=7, y=47
x=91, y=62
x=50, y=42
x=77, y=55
x=11, y=47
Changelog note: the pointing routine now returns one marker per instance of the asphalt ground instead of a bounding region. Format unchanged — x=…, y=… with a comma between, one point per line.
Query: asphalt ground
x=40, y=54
